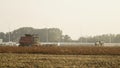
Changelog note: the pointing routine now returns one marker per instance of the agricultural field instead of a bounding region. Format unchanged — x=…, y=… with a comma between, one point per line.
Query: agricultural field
x=12, y=60
x=59, y=57
x=62, y=50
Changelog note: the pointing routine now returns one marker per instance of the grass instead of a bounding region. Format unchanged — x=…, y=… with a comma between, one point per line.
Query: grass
x=10, y=60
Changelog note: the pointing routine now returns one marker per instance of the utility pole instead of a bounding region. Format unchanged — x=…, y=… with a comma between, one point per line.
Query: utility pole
x=9, y=35
x=110, y=39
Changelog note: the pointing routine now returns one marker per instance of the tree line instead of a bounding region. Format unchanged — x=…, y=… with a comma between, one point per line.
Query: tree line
x=56, y=35
x=45, y=34
x=107, y=38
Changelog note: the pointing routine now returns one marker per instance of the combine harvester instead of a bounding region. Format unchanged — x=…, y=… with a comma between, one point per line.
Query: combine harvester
x=29, y=40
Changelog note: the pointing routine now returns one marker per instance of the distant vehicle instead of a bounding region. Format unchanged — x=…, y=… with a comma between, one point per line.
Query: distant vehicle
x=29, y=40
x=99, y=43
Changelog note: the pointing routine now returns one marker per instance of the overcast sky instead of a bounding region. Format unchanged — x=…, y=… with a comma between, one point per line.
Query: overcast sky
x=74, y=17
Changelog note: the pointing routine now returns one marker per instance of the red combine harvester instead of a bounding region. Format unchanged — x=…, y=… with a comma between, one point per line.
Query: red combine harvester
x=29, y=40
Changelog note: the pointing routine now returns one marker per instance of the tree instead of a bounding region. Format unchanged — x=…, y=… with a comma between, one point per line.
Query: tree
x=16, y=34
x=2, y=36
x=117, y=38
x=54, y=34
x=67, y=38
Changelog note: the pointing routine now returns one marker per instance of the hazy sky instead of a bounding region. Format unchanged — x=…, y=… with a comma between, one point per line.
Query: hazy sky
x=74, y=17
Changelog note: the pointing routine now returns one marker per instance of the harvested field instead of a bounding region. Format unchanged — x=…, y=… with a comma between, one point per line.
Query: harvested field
x=10, y=60
x=59, y=57
x=63, y=50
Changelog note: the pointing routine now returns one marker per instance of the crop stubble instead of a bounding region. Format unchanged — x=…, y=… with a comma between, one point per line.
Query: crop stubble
x=10, y=60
